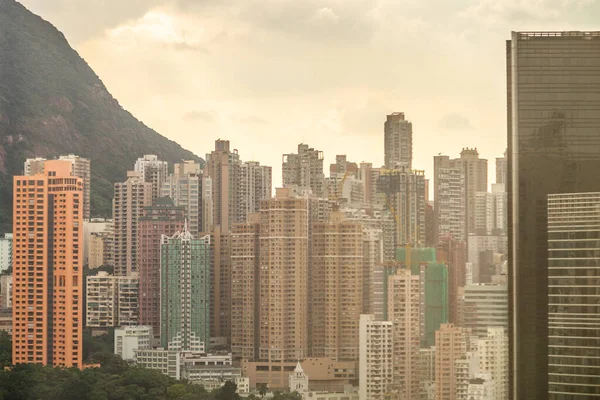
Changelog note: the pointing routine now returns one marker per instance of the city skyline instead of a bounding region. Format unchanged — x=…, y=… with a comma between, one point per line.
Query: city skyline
x=344, y=110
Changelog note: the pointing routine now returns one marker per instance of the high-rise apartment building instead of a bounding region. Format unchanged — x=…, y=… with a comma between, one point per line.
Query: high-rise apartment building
x=337, y=282
x=449, y=203
x=95, y=250
x=254, y=185
x=283, y=286
x=80, y=167
x=245, y=278
x=111, y=301
x=186, y=190
x=493, y=360
x=397, y=141
x=404, y=304
x=6, y=251
x=372, y=257
x=154, y=171
x=185, y=292
x=501, y=169
x=573, y=289
x=468, y=175
x=101, y=301
x=553, y=148
x=130, y=199
x=427, y=373
x=162, y=218
x=304, y=170
x=48, y=267
x=454, y=254
x=450, y=346
x=220, y=283
x=405, y=196
x=222, y=167
x=376, y=364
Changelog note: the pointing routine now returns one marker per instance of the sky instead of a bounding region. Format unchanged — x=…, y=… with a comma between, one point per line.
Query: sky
x=270, y=74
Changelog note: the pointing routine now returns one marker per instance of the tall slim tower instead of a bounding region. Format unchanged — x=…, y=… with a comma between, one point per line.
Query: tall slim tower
x=163, y=218
x=154, y=171
x=283, y=282
x=47, y=267
x=304, y=170
x=254, y=185
x=130, y=199
x=450, y=199
x=337, y=284
x=245, y=277
x=185, y=292
x=222, y=168
x=553, y=148
x=404, y=311
x=501, y=167
x=397, y=141
x=376, y=365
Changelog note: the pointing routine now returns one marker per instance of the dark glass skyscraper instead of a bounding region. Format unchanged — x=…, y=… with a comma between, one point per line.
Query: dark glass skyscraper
x=553, y=87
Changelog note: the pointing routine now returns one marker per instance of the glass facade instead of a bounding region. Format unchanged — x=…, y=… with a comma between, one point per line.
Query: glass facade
x=185, y=292
x=553, y=87
x=574, y=295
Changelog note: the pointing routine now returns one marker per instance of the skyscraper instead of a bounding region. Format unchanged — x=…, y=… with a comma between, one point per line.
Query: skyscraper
x=130, y=199
x=376, y=365
x=254, y=185
x=283, y=282
x=397, y=141
x=404, y=311
x=573, y=289
x=337, y=282
x=454, y=254
x=153, y=171
x=80, y=167
x=162, y=218
x=220, y=284
x=185, y=188
x=47, y=267
x=449, y=203
x=245, y=276
x=304, y=170
x=185, y=292
x=450, y=347
x=221, y=167
x=553, y=148
x=501, y=167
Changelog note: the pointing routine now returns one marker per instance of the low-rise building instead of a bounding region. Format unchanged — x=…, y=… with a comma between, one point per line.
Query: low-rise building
x=6, y=292
x=165, y=361
x=128, y=339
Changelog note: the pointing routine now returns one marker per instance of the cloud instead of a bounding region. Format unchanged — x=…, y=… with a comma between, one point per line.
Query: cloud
x=491, y=11
x=455, y=122
x=199, y=116
x=250, y=119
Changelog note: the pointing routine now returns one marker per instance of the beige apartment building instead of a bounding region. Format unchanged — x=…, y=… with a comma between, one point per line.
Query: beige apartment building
x=450, y=347
x=129, y=201
x=404, y=311
x=304, y=170
x=222, y=167
x=376, y=361
x=277, y=288
x=336, y=297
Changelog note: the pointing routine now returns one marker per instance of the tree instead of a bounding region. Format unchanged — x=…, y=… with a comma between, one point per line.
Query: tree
x=5, y=350
x=262, y=390
x=227, y=392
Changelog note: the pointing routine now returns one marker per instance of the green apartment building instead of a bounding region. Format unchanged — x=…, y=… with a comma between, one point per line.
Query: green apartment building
x=185, y=292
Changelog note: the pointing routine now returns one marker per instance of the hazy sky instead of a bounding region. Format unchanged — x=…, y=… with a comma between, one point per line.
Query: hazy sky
x=269, y=74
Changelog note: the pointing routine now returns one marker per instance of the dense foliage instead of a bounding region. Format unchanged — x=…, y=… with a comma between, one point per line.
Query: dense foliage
x=52, y=103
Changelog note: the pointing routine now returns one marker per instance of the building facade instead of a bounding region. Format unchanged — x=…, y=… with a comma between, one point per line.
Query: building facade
x=47, y=228
x=131, y=197
x=450, y=347
x=485, y=306
x=153, y=171
x=397, y=141
x=553, y=148
x=573, y=290
x=254, y=185
x=336, y=295
x=185, y=292
x=132, y=338
x=304, y=170
x=222, y=167
x=450, y=197
x=376, y=364
x=162, y=218
x=6, y=252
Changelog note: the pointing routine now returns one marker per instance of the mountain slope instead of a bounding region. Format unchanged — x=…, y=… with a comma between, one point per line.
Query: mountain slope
x=52, y=103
